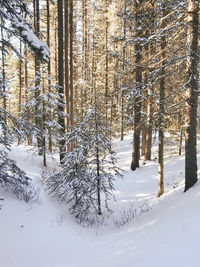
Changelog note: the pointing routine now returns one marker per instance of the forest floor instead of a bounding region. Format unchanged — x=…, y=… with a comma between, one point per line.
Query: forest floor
x=143, y=230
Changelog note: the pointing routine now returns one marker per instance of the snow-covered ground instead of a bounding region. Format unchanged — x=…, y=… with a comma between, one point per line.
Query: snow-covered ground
x=165, y=230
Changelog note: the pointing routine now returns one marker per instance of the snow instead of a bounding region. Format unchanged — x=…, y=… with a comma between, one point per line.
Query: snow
x=44, y=234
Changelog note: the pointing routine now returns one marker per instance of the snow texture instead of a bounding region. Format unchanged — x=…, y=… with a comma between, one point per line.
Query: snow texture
x=45, y=235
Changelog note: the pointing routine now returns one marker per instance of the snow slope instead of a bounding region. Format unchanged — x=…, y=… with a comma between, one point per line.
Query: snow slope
x=44, y=234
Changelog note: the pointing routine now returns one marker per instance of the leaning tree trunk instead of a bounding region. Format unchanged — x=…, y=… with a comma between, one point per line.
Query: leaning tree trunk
x=191, y=95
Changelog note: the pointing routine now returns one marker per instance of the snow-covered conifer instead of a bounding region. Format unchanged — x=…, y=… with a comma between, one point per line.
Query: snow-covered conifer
x=12, y=12
x=44, y=119
x=88, y=171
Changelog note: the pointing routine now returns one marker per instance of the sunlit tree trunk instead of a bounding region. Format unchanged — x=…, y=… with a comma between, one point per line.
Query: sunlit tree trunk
x=137, y=102
x=191, y=94
x=161, y=113
x=61, y=120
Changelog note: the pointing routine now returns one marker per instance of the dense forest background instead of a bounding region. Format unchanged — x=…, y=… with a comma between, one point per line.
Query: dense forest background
x=114, y=67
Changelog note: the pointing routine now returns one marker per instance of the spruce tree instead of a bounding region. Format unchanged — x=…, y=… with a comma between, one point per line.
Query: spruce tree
x=89, y=170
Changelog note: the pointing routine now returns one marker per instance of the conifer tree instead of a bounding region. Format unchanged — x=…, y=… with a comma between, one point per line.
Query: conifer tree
x=88, y=171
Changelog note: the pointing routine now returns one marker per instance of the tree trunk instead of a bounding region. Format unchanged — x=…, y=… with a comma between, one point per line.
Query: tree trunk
x=61, y=110
x=137, y=103
x=144, y=133
x=20, y=87
x=37, y=77
x=191, y=95
x=3, y=78
x=67, y=93
x=106, y=63
x=161, y=115
x=56, y=47
x=49, y=68
x=71, y=31
x=29, y=137
x=147, y=155
x=124, y=81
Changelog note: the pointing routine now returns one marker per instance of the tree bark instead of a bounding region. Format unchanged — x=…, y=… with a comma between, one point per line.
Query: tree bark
x=191, y=94
x=137, y=103
x=49, y=67
x=161, y=114
x=71, y=31
x=61, y=110
x=37, y=77
x=20, y=87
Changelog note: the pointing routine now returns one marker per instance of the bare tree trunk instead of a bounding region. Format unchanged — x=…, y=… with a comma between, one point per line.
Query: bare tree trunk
x=84, y=95
x=181, y=134
x=37, y=75
x=144, y=133
x=147, y=155
x=191, y=95
x=137, y=103
x=106, y=63
x=71, y=30
x=123, y=66
x=67, y=93
x=122, y=116
x=61, y=120
x=151, y=51
x=29, y=137
x=161, y=115
x=20, y=87
x=49, y=67
x=56, y=48
x=180, y=142
x=3, y=79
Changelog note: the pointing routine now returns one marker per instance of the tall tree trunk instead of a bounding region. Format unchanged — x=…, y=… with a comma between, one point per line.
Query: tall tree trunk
x=147, y=155
x=124, y=81
x=61, y=110
x=67, y=93
x=144, y=140
x=84, y=95
x=137, y=102
x=161, y=114
x=181, y=134
x=71, y=30
x=37, y=77
x=3, y=77
x=106, y=62
x=29, y=137
x=49, y=67
x=151, y=52
x=56, y=47
x=20, y=87
x=191, y=95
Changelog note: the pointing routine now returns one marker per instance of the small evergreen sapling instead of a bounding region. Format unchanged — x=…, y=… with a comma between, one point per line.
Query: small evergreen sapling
x=88, y=171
